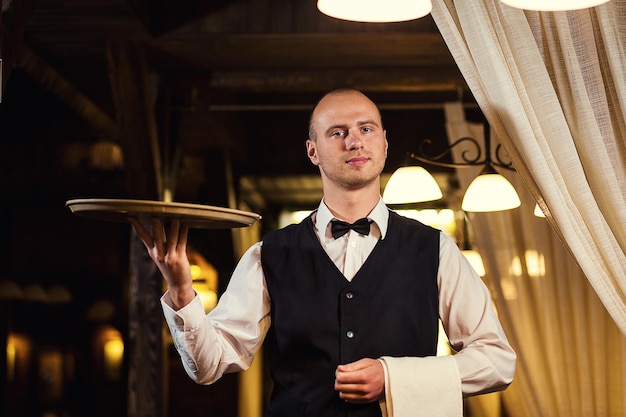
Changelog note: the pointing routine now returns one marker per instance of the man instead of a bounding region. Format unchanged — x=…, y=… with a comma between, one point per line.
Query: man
x=350, y=322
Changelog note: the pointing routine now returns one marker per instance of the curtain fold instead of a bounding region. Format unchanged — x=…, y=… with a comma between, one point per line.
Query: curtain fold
x=553, y=87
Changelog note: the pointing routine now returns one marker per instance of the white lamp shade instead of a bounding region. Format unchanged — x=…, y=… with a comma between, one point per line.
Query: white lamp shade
x=538, y=212
x=490, y=192
x=375, y=10
x=411, y=184
x=553, y=5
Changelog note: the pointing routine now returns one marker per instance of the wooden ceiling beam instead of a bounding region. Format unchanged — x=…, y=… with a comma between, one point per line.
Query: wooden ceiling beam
x=426, y=79
x=52, y=80
x=221, y=89
x=310, y=51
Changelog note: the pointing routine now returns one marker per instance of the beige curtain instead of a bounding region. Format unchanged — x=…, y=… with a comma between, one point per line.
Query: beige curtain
x=571, y=355
x=553, y=87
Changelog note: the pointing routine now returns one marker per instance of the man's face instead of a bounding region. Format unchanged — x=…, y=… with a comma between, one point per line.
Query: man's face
x=350, y=146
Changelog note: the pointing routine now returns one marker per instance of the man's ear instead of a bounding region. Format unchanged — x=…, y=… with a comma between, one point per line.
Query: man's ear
x=311, y=151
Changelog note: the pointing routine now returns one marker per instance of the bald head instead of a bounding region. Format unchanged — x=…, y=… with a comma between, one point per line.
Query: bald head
x=337, y=97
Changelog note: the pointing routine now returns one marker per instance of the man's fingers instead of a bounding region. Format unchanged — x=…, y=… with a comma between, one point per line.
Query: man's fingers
x=169, y=239
x=361, y=381
x=176, y=240
x=172, y=235
x=349, y=378
x=347, y=368
x=144, y=235
x=182, y=239
x=159, y=238
x=353, y=393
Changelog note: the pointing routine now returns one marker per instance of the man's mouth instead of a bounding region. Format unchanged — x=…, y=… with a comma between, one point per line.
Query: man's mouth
x=358, y=160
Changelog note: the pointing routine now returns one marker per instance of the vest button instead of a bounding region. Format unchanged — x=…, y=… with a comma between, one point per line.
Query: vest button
x=349, y=334
x=349, y=296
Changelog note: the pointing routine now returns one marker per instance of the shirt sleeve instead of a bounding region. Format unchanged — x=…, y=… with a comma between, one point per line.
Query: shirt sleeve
x=484, y=361
x=226, y=339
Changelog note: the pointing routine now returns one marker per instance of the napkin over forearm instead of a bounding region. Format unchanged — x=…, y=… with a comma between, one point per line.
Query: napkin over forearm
x=422, y=387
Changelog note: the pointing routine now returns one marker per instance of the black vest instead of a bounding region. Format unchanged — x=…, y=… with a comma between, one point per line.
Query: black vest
x=320, y=319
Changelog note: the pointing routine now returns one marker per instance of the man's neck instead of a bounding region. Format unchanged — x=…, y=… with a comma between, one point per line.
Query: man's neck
x=351, y=205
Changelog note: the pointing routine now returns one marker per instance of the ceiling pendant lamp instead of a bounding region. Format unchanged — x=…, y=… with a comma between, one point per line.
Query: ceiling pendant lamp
x=375, y=11
x=411, y=184
x=490, y=191
x=553, y=5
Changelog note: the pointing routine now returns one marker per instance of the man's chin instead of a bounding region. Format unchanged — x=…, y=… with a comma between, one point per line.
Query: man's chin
x=355, y=184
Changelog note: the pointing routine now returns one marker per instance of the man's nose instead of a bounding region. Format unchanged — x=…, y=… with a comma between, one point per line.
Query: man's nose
x=353, y=140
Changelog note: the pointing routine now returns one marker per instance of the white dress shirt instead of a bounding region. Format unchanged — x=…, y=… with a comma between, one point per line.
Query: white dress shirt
x=227, y=339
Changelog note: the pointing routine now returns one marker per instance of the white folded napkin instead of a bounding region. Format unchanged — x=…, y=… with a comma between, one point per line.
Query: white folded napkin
x=422, y=387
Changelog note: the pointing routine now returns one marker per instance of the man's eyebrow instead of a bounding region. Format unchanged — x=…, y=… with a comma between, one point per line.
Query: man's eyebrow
x=334, y=127
x=359, y=123
x=368, y=122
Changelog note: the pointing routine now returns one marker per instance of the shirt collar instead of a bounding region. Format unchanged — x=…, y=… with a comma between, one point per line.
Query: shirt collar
x=379, y=215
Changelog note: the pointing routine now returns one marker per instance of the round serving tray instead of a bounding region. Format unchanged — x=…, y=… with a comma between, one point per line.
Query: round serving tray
x=194, y=215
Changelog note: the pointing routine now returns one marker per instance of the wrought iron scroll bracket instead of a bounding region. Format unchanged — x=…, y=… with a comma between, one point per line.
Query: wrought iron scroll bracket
x=471, y=156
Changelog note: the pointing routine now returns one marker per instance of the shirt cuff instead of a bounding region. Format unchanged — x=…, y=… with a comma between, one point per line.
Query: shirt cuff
x=422, y=387
x=187, y=318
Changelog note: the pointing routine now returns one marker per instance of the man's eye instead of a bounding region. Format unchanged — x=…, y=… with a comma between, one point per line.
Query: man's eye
x=338, y=133
x=367, y=129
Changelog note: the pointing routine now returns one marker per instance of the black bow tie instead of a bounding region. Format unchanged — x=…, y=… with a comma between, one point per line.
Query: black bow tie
x=339, y=228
